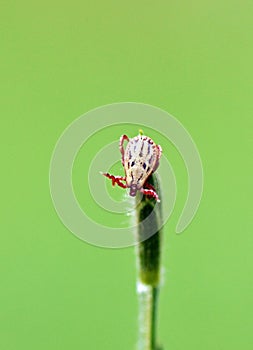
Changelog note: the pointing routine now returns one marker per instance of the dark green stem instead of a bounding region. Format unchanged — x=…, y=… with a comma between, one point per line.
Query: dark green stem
x=149, y=216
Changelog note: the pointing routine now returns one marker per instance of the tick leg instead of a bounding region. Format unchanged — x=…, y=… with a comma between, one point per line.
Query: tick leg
x=159, y=153
x=151, y=193
x=159, y=148
x=150, y=187
x=121, y=148
x=116, y=179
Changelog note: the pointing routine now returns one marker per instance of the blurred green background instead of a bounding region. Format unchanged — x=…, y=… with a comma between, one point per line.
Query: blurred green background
x=59, y=60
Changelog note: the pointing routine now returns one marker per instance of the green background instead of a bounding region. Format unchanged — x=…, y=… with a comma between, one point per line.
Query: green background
x=59, y=60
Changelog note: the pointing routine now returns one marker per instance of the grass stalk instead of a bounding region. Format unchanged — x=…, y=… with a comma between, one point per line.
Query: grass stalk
x=148, y=250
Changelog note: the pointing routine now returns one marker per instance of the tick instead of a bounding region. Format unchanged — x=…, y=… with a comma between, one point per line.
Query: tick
x=140, y=159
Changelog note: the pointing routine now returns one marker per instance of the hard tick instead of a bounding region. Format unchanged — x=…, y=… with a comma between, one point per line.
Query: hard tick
x=140, y=159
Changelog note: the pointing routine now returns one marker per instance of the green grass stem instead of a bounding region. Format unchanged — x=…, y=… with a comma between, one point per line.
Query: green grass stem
x=148, y=250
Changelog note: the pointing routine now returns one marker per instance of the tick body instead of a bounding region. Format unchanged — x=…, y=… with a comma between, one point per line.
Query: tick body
x=140, y=159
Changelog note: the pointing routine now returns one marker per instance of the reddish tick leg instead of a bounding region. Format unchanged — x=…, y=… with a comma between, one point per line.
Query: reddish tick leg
x=159, y=149
x=150, y=193
x=159, y=153
x=121, y=148
x=150, y=187
x=116, y=179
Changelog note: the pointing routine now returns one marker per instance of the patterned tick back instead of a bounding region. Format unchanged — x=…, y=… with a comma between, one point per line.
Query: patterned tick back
x=141, y=158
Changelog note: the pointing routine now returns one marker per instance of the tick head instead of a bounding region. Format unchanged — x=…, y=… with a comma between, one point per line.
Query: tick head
x=133, y=190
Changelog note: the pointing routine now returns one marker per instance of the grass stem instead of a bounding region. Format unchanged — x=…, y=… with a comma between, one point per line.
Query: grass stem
x=149, y=216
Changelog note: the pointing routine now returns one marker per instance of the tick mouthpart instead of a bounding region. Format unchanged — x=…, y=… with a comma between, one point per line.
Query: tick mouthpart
x=133, y=190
